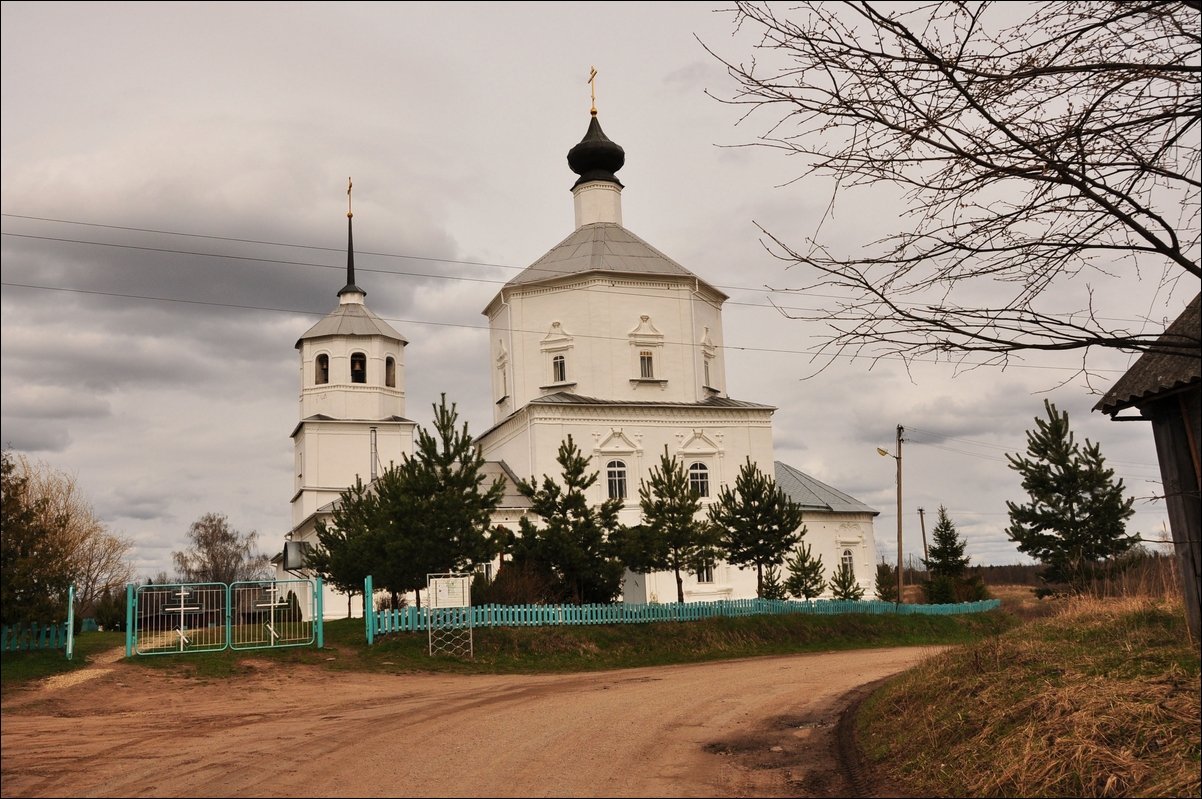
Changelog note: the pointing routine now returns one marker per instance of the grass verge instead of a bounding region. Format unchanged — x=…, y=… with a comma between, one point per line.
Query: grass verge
x=557, y=649
x=18, y=668
x=1101, y=699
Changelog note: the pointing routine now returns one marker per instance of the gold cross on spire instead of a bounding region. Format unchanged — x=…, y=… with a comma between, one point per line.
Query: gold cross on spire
x=348, y=198
x=592, y=82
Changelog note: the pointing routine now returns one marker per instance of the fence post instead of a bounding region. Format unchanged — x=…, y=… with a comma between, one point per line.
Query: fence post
x=70, y=622
x=321, y=616
x=368, y=605
x=129, y=620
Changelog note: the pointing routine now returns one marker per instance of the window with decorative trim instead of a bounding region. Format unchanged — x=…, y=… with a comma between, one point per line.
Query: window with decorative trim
x=615, y=477
x=645, y=341
x=848, y=561
x=706, y=573
x=559, y=369
x=358, y=367
x=699, y=479
x=321, y=369
x=646, y=365
x=390, y=372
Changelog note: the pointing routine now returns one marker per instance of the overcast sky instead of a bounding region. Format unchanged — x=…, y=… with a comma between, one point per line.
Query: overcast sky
x=174, y=206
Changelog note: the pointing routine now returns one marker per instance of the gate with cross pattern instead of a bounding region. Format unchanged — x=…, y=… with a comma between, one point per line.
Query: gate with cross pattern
x=174, y=618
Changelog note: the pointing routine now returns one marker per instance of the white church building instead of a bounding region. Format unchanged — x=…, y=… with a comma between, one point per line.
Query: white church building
x=605, y=339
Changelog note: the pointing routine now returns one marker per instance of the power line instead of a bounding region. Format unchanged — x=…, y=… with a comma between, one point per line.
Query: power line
x=263, y=242
x=938, y=437
x=397, y=320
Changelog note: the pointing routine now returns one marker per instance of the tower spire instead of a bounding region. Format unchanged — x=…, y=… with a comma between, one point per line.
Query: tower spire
x=350, y=247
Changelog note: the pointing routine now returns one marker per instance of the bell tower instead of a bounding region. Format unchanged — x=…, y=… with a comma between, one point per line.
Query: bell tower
x=352, y=400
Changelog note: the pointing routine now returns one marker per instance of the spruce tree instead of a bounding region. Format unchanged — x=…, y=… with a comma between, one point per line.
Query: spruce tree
x=757, y=522
x=806, y=579
x=945, y=562
x=1076, y=515
x=946, y=556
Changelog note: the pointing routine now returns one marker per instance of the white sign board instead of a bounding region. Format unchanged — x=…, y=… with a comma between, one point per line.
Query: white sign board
x=449, y=592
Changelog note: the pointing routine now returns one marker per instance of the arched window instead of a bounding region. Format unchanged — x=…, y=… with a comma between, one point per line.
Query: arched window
x=615, y=473
x=699, y=479
x=358, y=367
x=559, y=369
x=321, y=369
x=848, y=562
x=390, y=372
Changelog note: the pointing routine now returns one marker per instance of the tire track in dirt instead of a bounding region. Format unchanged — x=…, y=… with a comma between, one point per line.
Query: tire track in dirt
x=756, y=727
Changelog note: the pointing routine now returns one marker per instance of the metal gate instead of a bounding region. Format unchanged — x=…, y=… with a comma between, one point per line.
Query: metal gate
x=173, y=618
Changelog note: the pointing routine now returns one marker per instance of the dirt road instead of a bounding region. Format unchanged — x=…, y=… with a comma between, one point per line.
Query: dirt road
x=758, y=727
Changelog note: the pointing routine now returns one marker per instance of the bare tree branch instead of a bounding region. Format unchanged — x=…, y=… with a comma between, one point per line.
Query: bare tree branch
x=1064, y=147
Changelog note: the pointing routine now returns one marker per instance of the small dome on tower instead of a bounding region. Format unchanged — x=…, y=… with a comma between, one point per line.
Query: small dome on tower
x=596, y=157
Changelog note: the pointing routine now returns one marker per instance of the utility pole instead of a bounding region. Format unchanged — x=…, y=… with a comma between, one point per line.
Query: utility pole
x=922, y=520
x=901, y=566
x=900, y=570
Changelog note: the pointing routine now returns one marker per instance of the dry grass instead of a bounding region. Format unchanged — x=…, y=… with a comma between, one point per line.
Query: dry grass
x=1099, y=699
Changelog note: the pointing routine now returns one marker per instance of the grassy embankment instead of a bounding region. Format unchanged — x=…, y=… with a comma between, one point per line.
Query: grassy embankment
x=1101, y=698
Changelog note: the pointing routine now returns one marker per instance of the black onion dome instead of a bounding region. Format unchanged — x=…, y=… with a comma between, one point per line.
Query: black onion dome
x=596, y=157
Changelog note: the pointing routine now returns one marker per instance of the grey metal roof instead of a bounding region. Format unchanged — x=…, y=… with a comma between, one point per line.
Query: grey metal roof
x=566, y=398
x=1157, y=373
x=351, y=319
x=603, y=247
x=814, y=494
x=511, y=498
x=321, y=417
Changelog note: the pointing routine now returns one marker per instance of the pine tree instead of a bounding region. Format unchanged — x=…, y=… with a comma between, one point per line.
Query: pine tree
x=574, y=542
x=430, y=514
x=671, y=536
x=886, y=582
x=757, y=522
x=806, y=579
x=344, y=555
x=845, y=586
x=453, y=507
x=772, y=588
x=1076, y=516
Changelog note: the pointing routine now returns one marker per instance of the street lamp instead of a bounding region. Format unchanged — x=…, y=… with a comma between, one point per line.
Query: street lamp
x=898, y=457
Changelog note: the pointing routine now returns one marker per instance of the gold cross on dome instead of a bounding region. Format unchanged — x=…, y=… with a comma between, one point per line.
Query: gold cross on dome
x=348, y=197
x=592, y=82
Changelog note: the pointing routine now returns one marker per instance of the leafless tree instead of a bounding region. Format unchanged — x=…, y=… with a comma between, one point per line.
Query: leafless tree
x=98, y=558
x=219, y=553
x=1059, y=146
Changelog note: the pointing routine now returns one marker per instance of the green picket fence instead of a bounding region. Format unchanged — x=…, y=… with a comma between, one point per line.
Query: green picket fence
x=411, y=619
x=30, y=637
x=27, y=637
